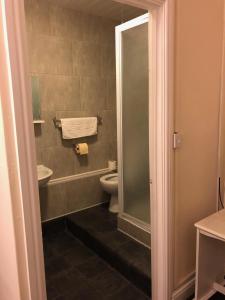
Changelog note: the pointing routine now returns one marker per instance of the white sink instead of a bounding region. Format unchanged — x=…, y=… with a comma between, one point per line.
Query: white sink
x=44, y=174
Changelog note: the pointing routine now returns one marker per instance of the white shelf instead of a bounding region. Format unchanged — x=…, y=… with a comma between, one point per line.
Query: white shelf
x=210, y=256
x=214, y=224
x=38, y=121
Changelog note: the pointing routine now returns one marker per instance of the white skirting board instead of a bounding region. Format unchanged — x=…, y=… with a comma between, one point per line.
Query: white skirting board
x=186, y=290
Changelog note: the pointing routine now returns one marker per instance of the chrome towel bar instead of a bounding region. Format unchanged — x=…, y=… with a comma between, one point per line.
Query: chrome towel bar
x=57, y=122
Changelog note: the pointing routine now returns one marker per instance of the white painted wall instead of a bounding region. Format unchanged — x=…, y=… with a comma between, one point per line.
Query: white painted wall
x=9, y=275
x=21, y=257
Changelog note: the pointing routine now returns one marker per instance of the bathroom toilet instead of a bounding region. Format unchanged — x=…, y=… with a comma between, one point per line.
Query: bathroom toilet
x=109, y=184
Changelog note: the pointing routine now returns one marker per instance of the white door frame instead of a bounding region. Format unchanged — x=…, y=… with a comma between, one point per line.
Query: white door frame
x=20, y=146
x=161, y=81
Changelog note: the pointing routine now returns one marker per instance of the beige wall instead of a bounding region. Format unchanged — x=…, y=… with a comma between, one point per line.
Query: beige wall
x=73, y=56
x=199, y=26
x=222, y=130
x=10, y=284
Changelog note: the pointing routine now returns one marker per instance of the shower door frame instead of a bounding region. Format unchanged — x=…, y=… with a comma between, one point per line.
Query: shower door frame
x=119, y=90
x=20, y=148
x=161, y=152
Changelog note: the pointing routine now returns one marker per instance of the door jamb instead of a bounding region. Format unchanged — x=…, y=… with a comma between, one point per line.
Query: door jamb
x=19, y=134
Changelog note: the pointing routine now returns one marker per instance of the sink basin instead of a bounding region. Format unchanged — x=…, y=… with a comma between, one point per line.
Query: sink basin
x=44, y=174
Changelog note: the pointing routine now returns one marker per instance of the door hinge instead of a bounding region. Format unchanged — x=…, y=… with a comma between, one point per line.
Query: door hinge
x=176, y=140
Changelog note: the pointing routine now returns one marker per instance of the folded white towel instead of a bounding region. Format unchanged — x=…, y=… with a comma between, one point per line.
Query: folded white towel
x=73, y=128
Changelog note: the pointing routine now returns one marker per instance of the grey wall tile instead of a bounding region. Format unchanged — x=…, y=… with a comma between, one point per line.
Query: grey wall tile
x=48, y=131
x=91, y=28
x=53, y=202
x=48, y=92
x=73, y=54
x=39, y=14
x=59, y=92
x=50, y=55
x=60, y=159
x=83, y=193
x=111, y=93
x=45, y=134
x=93, y=93
x=66, y=22
x=100, y=155
x=109, y=120
x=69, y=114
x=112, y=149
x=108, y=63
x=57, y=200
x=28, y=13
x=38, y=144
x=86, y=58
x=107, y=32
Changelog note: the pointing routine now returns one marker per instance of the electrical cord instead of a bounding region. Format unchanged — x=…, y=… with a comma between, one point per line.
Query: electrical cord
x=220, y=198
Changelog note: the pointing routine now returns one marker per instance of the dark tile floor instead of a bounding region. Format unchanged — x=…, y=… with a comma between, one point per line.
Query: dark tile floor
x=217, y=296
x=97, y=228
x=73, y=271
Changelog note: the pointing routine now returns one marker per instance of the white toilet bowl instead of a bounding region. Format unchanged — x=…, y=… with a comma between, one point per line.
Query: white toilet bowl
x=110, y=185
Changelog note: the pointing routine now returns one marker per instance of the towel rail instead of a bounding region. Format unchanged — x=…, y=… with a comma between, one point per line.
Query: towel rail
x=57, y=122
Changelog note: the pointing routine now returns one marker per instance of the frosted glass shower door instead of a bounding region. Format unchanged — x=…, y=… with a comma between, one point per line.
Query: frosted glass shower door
x=133, y=112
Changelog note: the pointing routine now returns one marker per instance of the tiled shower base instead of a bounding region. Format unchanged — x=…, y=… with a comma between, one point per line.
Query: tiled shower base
x=87, y=258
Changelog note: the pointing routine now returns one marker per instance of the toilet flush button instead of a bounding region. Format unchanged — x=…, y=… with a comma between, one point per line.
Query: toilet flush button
x=112, y=165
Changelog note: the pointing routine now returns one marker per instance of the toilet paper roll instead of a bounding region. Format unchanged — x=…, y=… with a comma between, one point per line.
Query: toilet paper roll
x=82, y=148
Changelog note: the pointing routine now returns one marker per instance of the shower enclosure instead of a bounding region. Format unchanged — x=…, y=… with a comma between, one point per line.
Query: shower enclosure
x=133, y=125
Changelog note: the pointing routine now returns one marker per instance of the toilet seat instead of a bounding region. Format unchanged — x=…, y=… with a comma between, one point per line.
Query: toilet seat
x=111, y=179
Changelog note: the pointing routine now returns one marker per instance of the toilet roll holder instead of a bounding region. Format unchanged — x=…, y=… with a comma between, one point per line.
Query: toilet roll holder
x=57, y=122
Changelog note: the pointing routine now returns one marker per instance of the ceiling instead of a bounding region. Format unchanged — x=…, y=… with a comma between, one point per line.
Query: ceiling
x=104, y=8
